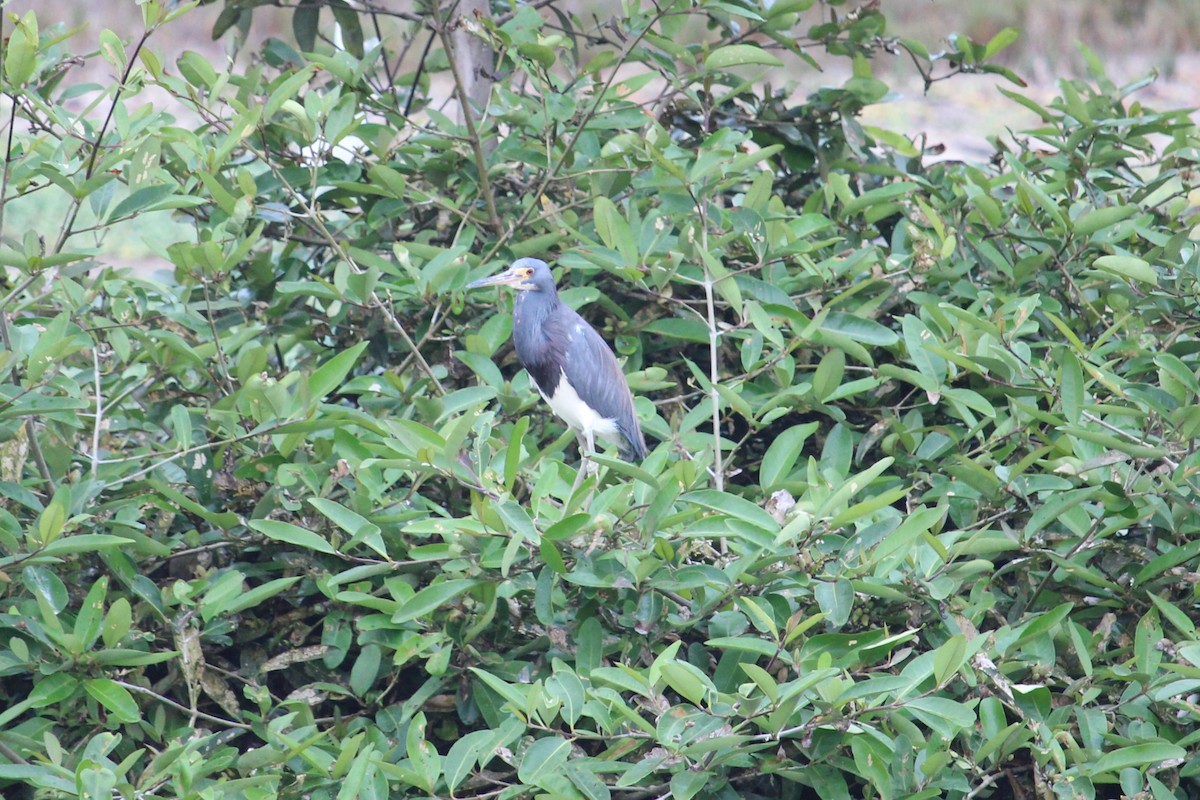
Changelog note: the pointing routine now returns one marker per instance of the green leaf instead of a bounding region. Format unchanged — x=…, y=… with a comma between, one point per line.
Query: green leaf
x=1042, y=623
x=736, y=55
x=688, y=330
x=471, y=398
x=142, y=199
x=1000, y=41
x=565, y=686
x=359, y=527
x=864, y=508
x=432, y=597
x=589, y=646
x=117, y=622
x=113, y=50
x=365, y=669
x=52, y=689
x=305, y=20
x=351, y=30
x=1098, y=219
x=513, y=695
x=1174, y=615
x=859, y=329
x=463, y=757
x=781, y=455
x=917, y=523
x=20, y=52
x=291, y=534
x=733, y=506
x=1130, y=267
x=763, y=680
x=828, y=375
x=1057, y=505
x=835, y=599
x=330, y=375
x=688, y=681
x=615, y=231
x=1138, y=755
x=426, y=762
x=543, y=760
x=686, y=784
x=115, y=698
x=959, y=715
x=512, y=456
x=948, y=658
x=91, y=614
x=1070, y=377
x=362, y=769
x=259, y=594
x=1173, y=557
x=586, y=781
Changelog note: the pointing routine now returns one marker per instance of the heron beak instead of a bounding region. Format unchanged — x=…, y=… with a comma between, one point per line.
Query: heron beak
x=510, y=277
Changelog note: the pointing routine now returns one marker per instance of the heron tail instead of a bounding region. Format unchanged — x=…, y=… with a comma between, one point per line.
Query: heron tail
x=633, y=448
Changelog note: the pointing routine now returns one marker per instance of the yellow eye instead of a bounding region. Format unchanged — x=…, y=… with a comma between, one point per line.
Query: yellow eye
x=526, y=272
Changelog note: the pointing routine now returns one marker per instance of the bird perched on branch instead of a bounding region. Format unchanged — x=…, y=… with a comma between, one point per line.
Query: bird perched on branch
x=574, y=369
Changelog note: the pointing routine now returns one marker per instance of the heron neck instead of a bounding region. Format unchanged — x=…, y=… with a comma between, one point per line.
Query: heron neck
x=535, y=307
x=533, y=335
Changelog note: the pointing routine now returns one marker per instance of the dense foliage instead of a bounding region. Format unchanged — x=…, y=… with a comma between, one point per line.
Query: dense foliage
x=918, y=520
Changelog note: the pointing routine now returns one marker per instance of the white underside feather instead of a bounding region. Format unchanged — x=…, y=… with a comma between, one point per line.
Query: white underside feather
x=571, y=409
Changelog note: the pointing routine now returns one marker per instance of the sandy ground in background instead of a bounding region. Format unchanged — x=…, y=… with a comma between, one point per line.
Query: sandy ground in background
x=965, y=111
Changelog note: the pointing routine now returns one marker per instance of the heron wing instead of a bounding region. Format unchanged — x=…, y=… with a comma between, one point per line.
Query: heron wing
x=594, y=373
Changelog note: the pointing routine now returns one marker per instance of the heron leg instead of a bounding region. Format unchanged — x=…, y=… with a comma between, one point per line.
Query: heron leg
x=592, y=466
x=581, y=473
x=587, y=444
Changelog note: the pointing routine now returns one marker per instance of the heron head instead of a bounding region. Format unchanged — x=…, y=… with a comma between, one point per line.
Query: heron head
x=525, y=274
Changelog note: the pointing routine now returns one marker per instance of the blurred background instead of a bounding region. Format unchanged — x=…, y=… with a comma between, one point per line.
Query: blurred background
x=1133, y=38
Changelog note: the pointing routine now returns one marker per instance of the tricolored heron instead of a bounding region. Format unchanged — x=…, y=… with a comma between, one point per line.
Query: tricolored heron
x=574, y=369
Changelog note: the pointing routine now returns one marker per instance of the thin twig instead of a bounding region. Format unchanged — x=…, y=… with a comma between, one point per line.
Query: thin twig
x=77, y=203
x=96, y=423
x=133, y=687
x=312, y=217
x=468, y=115
x=713, y=343
x=569, y=147
x=412, y=93
x=1090, y=417
x=190, y=450
x=226, y=381
x=987, y=781
x=35, y=446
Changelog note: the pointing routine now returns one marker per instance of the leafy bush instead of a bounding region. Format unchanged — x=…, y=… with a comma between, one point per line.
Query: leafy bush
x=291, y=523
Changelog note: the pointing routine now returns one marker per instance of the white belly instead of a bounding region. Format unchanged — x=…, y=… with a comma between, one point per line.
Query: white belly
x=582, y=418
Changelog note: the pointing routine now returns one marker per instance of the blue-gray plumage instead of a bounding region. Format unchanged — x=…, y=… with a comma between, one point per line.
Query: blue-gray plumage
x=574, y=369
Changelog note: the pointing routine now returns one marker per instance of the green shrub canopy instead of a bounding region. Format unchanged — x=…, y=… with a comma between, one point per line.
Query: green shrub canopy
x=919, y=518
